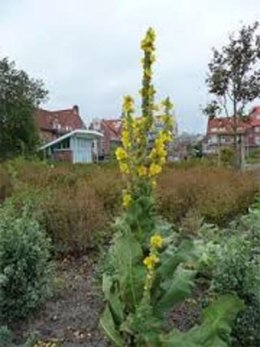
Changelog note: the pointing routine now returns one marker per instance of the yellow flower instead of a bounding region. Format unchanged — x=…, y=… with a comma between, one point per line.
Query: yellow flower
x=155, y=169
x=166, y=137
x=156, y=241
x=161, y=152
x=124, y=168
x=150, y=261
x=142, y=170
x=120, y=154
x=125, y=138
x=127, y=199
x=128, y=104
x=162, y=161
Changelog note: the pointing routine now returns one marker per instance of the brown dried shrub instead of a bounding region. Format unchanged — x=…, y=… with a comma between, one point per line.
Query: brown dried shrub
x=218, y=195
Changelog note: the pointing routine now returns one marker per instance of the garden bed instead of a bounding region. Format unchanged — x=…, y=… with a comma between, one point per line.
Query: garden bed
x=71, y=318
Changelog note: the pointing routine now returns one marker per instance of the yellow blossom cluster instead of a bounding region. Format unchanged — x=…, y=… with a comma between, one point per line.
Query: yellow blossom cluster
x=156, y=241
x=147, y=44
x=138, y=162
x=127, y=199
x=120, y=154
x=150, y=261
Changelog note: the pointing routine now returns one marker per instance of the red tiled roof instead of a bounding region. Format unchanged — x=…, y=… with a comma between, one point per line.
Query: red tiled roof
x=62, y=120
x=114, y=127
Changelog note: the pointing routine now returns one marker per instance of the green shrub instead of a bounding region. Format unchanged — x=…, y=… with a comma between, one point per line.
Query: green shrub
x=237, y=271
x=5, y=337
x=25, y=268
x=227, y=156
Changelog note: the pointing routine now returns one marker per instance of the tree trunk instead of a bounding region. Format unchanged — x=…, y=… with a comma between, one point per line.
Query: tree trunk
x=237, y=150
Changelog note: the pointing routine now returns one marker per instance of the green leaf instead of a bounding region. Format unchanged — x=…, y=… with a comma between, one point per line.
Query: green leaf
x=127, y=258
x=175, y=290
x=172, y=257
x=112, y=296
x=108, y=325
x=217, y=321
x=215, y=328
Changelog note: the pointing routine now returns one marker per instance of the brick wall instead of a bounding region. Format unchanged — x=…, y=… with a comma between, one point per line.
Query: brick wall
x=63, y=155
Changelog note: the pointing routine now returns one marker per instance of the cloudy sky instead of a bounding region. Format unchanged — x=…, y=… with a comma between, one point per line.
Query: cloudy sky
x=87, y=51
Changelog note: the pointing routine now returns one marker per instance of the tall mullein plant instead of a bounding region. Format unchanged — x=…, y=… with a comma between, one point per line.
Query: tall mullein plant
x=147, y=274
x=140, y=159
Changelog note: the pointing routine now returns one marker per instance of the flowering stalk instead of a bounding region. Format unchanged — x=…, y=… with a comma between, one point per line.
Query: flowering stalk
x=139, y=162
x=150, y=262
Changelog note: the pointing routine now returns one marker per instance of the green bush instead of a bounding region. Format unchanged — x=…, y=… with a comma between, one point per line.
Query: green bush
x=227, y=156
x=5, y=337
x=25, y=268
x=237, y=268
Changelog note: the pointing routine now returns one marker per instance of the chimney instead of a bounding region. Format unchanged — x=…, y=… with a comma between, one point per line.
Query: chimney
x=76, y=109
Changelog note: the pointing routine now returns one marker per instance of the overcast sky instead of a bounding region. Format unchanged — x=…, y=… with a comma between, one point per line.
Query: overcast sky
x=87, y=51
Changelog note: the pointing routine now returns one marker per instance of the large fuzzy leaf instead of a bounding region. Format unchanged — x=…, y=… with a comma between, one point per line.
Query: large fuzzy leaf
x=112, y=296
x=215, y=328
x=108, y=325
x=175, y=290
x=172, y=257
x=127, y=258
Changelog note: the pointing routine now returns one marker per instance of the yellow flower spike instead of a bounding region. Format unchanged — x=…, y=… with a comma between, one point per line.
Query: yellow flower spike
x=154, y=169
x=128, y=104
x=156, y=241
x=120, y=154
x=126, y=138
x=151, y=261
x=142, y=171
x=124, y=168
x=127, y=199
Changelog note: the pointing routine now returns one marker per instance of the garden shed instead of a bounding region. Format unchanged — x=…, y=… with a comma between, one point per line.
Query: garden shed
x=75, y=147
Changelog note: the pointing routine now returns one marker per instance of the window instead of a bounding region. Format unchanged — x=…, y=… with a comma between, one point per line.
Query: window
x=64, y=144
x=213, y=139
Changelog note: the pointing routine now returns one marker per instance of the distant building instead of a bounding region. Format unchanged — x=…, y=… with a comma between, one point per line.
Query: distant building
x=111, y=130
x=220, y=132
x=64, y=136
x=185, y=145
x=74, y=147
x=53, y=124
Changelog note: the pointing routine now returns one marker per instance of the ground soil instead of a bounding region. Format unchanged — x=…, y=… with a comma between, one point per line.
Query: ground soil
x=71, y=317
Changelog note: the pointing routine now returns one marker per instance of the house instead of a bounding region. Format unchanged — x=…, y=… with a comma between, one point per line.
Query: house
x=75, y=146
x=53, y=124
x=111, y=130
x=64, y=135
x=220, y=132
